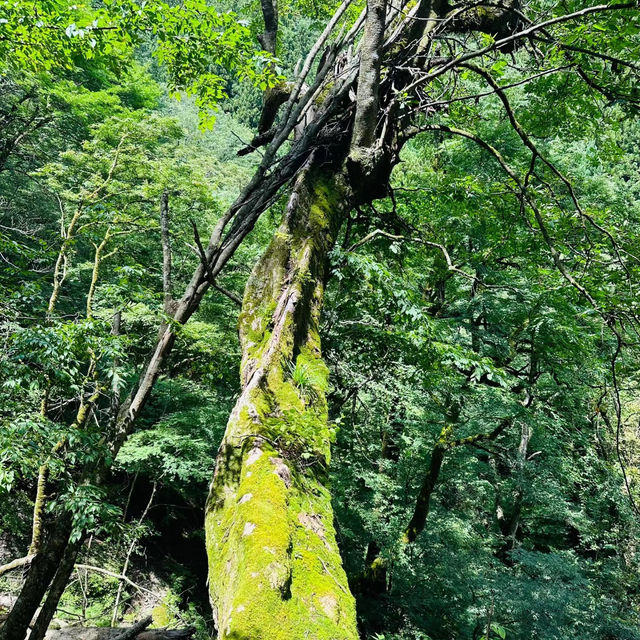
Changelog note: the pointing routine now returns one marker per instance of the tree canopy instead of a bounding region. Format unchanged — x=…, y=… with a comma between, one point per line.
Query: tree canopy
x=319, y=320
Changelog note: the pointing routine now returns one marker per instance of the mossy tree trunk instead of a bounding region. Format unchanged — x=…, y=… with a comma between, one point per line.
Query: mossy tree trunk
x=274, y=567
x=58, y=585
x=41, y=572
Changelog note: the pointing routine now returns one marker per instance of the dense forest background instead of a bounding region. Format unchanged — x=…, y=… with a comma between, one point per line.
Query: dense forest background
x=481, y=345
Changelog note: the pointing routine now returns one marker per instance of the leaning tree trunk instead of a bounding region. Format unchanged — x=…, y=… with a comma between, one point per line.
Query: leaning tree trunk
x=41, y=572
x=274, y=567
x=56, y=590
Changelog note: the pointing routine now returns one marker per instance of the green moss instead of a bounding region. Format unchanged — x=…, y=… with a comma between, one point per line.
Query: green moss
x=280, y=575
x=164, y=612
x=316, y=371
x=445, y=435
x=324, y=93
x=274, y=566
x=320, y=208
x=487, y=13
x=284, y=393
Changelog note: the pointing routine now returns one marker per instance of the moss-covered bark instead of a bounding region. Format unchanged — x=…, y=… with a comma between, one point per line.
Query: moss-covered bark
x=274, y=567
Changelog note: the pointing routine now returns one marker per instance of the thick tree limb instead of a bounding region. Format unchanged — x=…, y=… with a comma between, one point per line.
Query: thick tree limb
x=499, y=20
x=367, y=97
x=268, y=39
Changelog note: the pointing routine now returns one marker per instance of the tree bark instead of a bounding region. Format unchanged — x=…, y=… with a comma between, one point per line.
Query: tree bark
x=423, y=501
x=368, y=100
x=55, y=591
x=274, y=567
x=166, y=253
x=268, y=39
x=41, y=572
x=510, y=522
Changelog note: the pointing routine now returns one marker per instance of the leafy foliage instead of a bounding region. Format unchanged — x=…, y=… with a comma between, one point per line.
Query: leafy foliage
x=448, y=327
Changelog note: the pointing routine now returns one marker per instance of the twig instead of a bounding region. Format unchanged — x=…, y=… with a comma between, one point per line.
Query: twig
x=232, y=296
x=125, y=566
x=118, y=576
x=324, y=566
x=205, y=264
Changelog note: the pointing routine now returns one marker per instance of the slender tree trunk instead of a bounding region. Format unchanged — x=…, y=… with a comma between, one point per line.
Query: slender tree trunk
x=274, y=567
x=373, y=580
x=423, y=501
x=41, y=572
x=510, y=522
x=167, y=287
x=56, y=590
x=38, y=509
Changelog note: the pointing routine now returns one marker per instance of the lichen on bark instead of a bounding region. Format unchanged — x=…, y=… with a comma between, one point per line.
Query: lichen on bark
x=274, y=567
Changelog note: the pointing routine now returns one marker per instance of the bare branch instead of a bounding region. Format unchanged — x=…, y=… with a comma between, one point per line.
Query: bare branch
x=524, y=33
x=16, y=564
x=118, y=576
x=166, y=252
x=524, y=193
